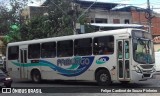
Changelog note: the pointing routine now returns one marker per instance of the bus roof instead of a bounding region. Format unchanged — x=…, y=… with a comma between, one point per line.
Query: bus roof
x=117, y=25
x=71, y=37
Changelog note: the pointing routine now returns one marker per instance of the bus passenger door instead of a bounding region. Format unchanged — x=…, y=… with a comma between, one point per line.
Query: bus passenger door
x=123, y=56
x=23, y=61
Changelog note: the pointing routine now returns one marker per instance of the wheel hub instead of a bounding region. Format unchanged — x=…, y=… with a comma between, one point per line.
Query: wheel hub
x=103, y=77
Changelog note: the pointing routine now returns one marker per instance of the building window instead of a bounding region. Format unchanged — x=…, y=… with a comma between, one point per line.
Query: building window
x=48, y=50
x=116, y=21
x=92, y=21
x=83, y=47
x=65, y=48
x=126, y=21
x=100, y=20
x=34, y=51
x=13, y=53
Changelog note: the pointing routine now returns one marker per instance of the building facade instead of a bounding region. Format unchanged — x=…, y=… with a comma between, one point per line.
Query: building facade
x=33, y=11
x=139, y=17
x=125, y=15
x=110, y=17
x=101, y=12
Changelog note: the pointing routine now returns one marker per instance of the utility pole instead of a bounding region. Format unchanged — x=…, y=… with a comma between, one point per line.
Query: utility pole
x=74, y=16
x=149, y=17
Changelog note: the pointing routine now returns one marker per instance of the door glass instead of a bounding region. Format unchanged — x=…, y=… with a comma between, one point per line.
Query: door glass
x=120, y=53
x=126, y=49
x=127, y=69
x=21, y=56
x=120, y=69
x=25, y=56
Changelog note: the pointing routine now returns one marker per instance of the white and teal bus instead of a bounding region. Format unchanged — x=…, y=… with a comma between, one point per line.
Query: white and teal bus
x=123, y=55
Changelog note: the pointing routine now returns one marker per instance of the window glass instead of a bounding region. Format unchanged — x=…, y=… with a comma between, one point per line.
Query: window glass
x=65, y=48
x=13, y=53
x=116, y=21
x=103, y=45
x=127, y=75
x=82, y=47
x=120, y=50
x=100, y=20
x=120, y=66
x=48, y=50
x=127, y=49
x=126, y=21
x=34, y=51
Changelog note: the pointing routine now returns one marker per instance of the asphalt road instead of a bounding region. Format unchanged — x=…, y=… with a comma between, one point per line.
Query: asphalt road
x=69, y=83
x=78, y=88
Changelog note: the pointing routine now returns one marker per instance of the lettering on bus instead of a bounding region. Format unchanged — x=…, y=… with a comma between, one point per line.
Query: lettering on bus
x=73, y=61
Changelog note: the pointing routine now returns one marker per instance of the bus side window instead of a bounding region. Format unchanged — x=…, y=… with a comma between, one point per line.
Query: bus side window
x=34, y=51
x=48, y=50
x=65, y=48
x=103, y=45
x=83, y=47
x=13, y=52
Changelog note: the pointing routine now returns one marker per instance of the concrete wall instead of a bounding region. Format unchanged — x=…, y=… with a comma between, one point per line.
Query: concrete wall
x=139, y=17
x=33, y=11
x=110, y=15
x=156, y=47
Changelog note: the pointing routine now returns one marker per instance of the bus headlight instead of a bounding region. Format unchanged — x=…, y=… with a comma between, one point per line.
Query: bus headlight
x=138, y=70
x=153, y=69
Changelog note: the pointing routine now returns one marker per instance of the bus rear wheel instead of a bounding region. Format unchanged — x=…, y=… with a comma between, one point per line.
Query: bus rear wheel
x=36, y=76
x=103, y=78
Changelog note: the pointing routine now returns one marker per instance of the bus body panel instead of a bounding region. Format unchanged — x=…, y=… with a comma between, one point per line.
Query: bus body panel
x=85, y=67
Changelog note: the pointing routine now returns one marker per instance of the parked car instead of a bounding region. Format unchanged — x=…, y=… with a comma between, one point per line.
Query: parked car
x=5, y=80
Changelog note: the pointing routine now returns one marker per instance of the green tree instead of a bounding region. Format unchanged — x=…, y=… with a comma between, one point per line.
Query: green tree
x=57, y=22
x=4, y=19
x=60, y=17
x=36, y=28
x=11, y=20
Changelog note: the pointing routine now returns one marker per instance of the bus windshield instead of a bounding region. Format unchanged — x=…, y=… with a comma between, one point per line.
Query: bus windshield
x=143, y=50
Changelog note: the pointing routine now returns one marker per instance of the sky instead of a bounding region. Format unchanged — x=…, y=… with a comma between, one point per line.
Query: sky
x=155, y=4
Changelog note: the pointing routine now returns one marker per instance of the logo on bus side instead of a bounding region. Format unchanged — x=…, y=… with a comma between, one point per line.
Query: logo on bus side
x=76, y=66
x=102, y=60
x=77, y=61
x=73, y=66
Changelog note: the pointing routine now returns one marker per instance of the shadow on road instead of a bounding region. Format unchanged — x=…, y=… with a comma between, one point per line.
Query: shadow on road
x=86, y=83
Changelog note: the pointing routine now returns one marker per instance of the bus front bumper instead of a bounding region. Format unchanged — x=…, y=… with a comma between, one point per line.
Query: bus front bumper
x=142, y=77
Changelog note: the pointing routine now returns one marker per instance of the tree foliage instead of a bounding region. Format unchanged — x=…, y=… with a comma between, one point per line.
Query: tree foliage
x=4, y=19
x=57, y=22
x=10, y=18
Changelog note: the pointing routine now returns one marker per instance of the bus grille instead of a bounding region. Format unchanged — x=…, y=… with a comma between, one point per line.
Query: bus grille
x=146, y=66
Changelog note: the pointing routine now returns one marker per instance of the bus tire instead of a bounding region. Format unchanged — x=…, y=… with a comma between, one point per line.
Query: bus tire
x=103, y=77
x=36, y=76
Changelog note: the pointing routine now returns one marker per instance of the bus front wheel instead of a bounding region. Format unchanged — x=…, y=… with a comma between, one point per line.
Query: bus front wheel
x=103, y=78
x=36, y=76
